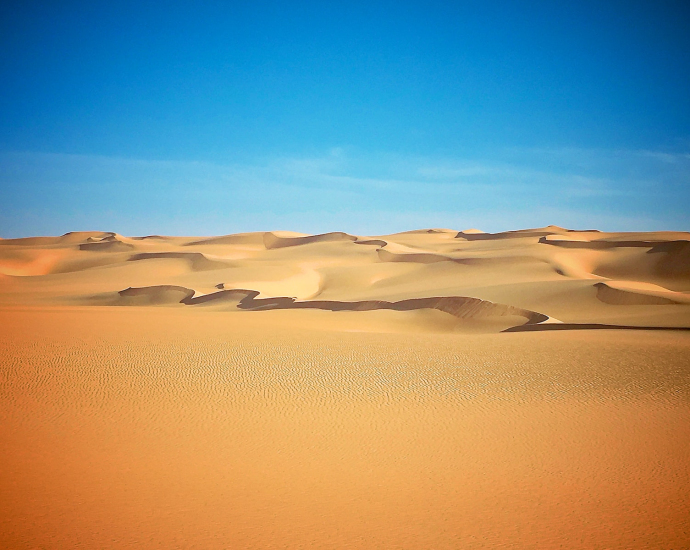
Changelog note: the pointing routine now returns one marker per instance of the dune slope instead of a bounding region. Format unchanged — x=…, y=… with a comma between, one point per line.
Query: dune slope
x=572, y=277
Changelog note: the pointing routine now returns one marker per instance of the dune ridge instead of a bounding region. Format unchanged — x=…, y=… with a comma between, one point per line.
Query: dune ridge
x=238, y=239
x=462, y=307
x=473, y=235
x=273, y=240
x=595, y=244
x=532, y=275
x=622, y=293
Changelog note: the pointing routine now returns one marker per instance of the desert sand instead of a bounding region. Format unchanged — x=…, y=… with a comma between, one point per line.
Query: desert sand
x=429, y=389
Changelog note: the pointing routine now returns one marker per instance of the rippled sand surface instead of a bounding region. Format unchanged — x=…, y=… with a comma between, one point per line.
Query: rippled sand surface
x=432, y=389
x=187, y=427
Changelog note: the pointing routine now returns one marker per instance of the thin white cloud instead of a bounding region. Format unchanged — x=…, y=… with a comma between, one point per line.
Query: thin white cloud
x=615, y=190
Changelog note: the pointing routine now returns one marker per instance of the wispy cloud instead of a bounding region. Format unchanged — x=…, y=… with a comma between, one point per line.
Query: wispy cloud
x=344, y=190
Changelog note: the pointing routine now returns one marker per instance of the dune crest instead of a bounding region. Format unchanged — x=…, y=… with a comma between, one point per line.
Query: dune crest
x=111, y=242
x=273, y=240
x=232, y=240
x=527, y=276
x=599, y=244
x=625, y=293
x=473, y=235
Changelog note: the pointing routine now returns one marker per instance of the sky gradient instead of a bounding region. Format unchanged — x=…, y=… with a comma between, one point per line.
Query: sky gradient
x=220, y=117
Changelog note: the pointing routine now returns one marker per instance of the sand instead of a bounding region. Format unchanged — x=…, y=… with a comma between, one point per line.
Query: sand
x=428, y=389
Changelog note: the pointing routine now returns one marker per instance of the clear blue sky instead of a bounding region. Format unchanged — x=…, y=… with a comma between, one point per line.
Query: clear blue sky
x=219, y=117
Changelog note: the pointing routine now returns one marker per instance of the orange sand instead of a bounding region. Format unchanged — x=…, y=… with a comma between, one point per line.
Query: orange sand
x=342, y=406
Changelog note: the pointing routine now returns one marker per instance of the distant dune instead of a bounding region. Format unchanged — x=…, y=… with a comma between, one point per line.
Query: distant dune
x=277, y=240
x=569, y=276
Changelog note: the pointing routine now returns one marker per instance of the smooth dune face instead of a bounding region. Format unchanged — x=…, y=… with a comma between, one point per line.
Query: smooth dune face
x=429, y=389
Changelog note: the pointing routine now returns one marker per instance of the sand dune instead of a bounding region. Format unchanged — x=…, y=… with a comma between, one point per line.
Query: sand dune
x=111, y=242
x=602, y=244
x=67, y=238
x=457, y=306
x=674, y=258
x=427, y=231
x=161, y=294
x=197, y=260
x=626, y=293
x=546, y=272
x=372, y=242
x=239, y=239
x=107, y=246
x=414, y=257
x=425, y=389
x=474, y=235
x=420, y=257
x=156, y=237
x=276, y=240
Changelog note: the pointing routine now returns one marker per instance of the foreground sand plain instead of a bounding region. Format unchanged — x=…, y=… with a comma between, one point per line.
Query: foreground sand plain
x=430, y=389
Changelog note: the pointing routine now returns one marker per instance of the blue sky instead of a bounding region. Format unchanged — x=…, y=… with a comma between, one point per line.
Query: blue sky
x=219, y=117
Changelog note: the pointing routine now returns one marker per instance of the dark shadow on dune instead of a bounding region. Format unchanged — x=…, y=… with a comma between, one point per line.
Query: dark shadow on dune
x=583, y=326
x=621, y=297
x=373, y=242
x=674, y=258
x=542, y=233
x=240, y=295
x=599, y=245
x=461, y=307
x=672, y=247
x=156, y=295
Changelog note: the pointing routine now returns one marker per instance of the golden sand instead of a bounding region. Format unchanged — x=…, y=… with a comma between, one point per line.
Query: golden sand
x=293, y=391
